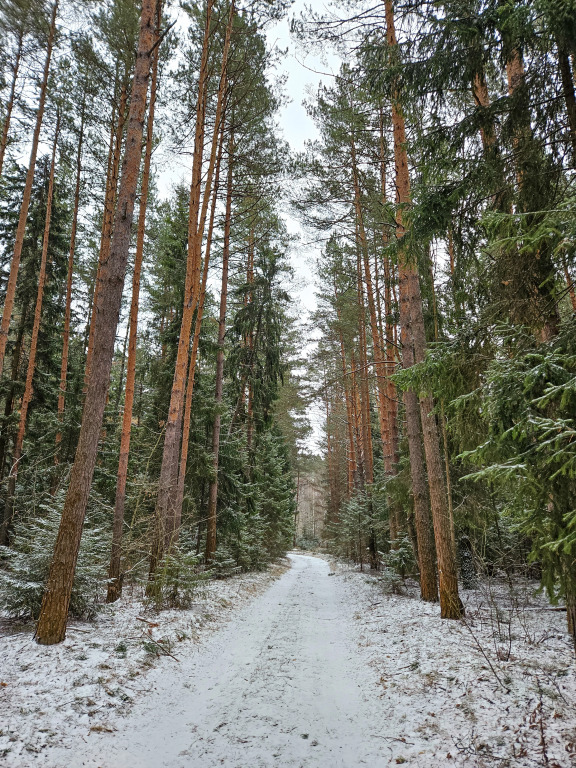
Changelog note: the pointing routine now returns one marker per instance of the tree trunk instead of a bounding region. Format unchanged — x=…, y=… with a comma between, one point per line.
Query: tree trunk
x=542, y=266
x=165, y=513
x=29, y=389
x=568, y=89
x=54, y=611
x=482, y=99
x=68, y=305
x=569, y=283
x=377, y=343
x=351, y=452
x=450, y=603
x=114, y=575
x=21, y=230
x=9, y=404
x=11, y=99
x=359, y=473
x=365, y=417
x=391, y=450
x=250, y=342
x=213, y=492
x=426, y=550
x=107, y=221
x=194, y=353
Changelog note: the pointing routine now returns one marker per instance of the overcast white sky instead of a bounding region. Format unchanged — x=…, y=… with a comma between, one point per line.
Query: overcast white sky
x=302, y=68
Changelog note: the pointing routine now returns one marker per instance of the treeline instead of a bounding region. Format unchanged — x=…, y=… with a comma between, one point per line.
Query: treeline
x=159, y=413
x=443, y=186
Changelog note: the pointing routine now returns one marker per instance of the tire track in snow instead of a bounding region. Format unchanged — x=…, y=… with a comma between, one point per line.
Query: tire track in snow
x=280, y=686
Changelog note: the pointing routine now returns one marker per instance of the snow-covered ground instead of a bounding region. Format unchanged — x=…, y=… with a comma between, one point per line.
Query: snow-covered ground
x=495, y=691
x=317, y=668
x=58, y=695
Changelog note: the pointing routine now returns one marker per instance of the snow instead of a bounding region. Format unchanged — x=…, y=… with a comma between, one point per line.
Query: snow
x=317, y=666
x=52, y=696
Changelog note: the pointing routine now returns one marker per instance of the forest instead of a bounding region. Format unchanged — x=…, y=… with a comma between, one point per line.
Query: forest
x=156, y=373
x=160, y=378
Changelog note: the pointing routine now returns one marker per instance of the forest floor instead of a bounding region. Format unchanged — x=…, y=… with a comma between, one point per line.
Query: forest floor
x=317, y=666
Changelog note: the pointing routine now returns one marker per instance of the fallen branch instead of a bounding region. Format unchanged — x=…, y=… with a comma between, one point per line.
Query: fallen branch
x=151, y=623
x=162, y=648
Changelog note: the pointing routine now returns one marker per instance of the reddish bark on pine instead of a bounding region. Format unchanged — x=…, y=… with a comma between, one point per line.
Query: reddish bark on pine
x=107, y=219
x=28, y=387
x=27, y=194
x=114, y=575
x=68, y=302
x=165, y=512
x=377, y=342
x=213, y=491
x=450, y=604
x=11, y=99
x=51, y=626
x=351, y=452
x=194, y=352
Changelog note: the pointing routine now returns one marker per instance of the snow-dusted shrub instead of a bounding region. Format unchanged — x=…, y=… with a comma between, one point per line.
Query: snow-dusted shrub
x=27, y=564
x=400, y=558
x=224, y=563
x=176, y=580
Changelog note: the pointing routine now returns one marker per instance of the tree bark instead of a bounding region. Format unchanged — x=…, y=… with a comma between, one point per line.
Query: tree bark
x=68, y=304
x=54, y=611
x=391, y=451
x=213, y=492
x=9, y=404
x=165, y=513
x=29, y=388
x=107, y=220
x=482, y=100
x=194, y=353
x=351, y=452
x=450, y=603
x=21, y=230
x=114, y=575
x=11, y=99
x=377, y=343
x=568, y=89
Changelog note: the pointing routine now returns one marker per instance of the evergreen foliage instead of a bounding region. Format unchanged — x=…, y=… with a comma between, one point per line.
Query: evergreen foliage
x=26, y=563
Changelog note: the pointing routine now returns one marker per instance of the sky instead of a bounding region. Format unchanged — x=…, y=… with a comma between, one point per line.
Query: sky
x=304, y=70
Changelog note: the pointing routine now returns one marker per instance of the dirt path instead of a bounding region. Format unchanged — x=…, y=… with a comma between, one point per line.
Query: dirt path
x=280, y=685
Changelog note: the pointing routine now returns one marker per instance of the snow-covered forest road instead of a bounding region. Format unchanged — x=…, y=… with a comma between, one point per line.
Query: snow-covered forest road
x=279, y=686
x=299, y=667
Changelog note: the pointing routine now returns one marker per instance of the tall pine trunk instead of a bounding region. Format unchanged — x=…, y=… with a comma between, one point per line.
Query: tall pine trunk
x=377, y=343
x=351, y=452
x=29, y=389
x=68, y=303
x=11, y=99
x=165, y=512
x=194, y=352
x=213, y=492
x=114, y=576
x=450, y=603
x=107, y=219
x=54, y=611
x=24, y=206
